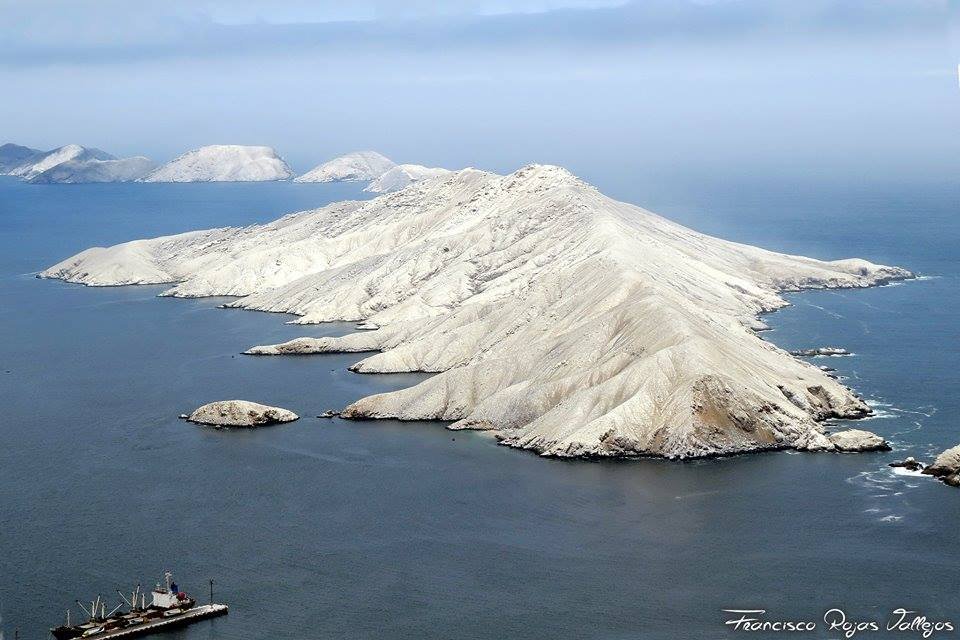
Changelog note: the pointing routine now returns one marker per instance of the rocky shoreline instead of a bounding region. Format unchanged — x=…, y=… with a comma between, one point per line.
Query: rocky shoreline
x=946, y=467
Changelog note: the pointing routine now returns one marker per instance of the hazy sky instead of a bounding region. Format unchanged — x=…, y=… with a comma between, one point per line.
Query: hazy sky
x=855, y=88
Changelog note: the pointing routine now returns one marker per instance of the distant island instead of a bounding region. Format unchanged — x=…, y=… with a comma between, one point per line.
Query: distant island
x=223, y=163
x=381, y=172
x=556, y=318
x=358, y=166
x=71, y=163
x=74, y=164
x=96, y=170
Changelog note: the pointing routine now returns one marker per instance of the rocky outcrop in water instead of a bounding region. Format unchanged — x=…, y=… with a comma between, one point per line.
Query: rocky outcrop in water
x=240, y=413
x=820, y=352
x=295, y=347
x=857, y=440
x=910, y=464
x=946, y=467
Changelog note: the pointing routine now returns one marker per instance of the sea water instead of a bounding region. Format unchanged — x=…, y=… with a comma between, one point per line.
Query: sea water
x=336, y=529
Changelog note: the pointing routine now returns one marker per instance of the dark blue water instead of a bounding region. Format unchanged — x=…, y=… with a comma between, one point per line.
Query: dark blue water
x=330, y=529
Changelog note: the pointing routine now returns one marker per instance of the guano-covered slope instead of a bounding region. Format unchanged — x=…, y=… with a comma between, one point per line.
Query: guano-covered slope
x=564, y=321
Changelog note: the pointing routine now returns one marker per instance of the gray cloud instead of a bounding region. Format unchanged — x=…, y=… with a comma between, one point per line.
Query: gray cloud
x=678, y=87
x=54, y=32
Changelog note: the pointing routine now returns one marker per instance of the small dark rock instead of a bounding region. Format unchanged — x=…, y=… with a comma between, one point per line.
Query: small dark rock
x=909, y=464
x=820, y=351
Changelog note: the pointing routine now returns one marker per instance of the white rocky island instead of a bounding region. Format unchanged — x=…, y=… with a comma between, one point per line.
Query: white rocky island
x=561, y=320
x=223, y=163
x=857, y=440
x=70, y=163
x=359, y=166
x=27, y=163
x=96, y=170
x=240, y=413
x=946, y=467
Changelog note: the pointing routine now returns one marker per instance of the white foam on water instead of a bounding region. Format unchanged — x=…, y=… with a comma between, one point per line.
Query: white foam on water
x=916, y=427
x=932, y=411
x=903, y=471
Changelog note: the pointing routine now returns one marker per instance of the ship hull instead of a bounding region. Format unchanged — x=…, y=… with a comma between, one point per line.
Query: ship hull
x=195, y=614
x=154, y=625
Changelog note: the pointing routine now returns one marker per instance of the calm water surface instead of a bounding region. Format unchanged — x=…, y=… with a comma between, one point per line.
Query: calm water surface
x=331, y=529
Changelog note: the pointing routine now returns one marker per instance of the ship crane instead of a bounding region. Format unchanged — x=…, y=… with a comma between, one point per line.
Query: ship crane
x=169, y=608
x=98, y=609
x=135, y=599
